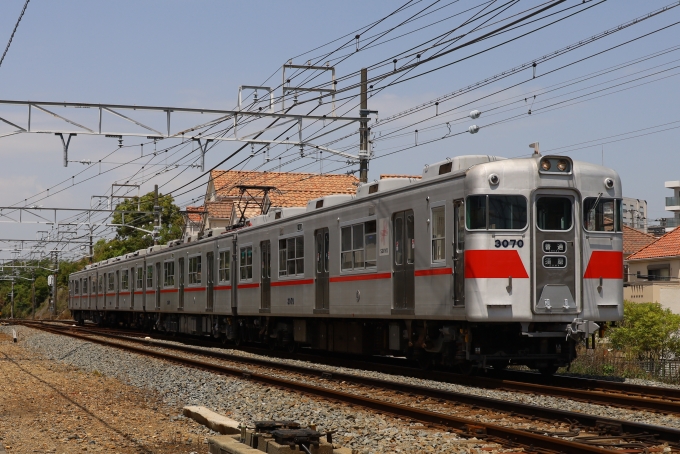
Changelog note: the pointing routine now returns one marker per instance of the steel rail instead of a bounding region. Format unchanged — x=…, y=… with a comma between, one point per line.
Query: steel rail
x=517, y=409
x=665, y=400
x=640, y=397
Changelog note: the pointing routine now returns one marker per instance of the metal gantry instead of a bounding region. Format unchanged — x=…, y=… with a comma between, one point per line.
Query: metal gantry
x=190, y=133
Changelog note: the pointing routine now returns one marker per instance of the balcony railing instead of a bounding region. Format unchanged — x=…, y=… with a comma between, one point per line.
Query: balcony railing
x=670, y=222
x=672, y=201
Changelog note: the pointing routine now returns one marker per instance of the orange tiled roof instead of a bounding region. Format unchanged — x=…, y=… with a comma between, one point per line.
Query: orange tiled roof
x=219, y=210
x=634, y=240
x=666, y=246
x=195, y=214
x=292, y=189
x=385, y=176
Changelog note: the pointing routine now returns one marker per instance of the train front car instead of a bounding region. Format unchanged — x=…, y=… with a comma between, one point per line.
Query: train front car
x=543, y=261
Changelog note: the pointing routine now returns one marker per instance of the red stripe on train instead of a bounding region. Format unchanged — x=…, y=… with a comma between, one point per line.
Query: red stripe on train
x=194, y=289
x=360, y=277
x=605, y=265
x=433, y=272
x=295, y=282
x=254, y=285
x=222, y=287
x=494, y=264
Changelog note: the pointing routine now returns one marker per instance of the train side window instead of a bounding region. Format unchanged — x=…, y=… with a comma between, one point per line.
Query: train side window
x=601, y=214
x=358, y=246
x=398, y=235
x=496, y=212
x=195, y=270
x=292, y=256
x=438, y=229
x=507, y=212
x=101, y=283
x=476, y=212
x=112, y=281
x=140, y=277
x=410, y=234
x=553, y=213
x=169, y=273
x=224, y=266
x=125, y=280
x=149, y=276
x=77, y=288
x=246, y=263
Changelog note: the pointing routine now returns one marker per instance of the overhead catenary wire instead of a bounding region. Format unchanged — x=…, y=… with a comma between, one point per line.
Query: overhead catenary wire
x=11, y=37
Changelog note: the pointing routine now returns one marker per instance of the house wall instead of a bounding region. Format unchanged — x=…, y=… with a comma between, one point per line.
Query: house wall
x=666, y=293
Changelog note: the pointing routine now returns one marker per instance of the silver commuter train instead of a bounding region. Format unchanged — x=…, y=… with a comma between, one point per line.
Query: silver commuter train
x=483, y=261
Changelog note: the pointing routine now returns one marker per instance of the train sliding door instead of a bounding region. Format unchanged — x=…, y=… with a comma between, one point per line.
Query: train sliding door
x=210, y=258
x=403, y=280
x=265, y=276
x=322, y=287
x=458, y=253
x=180, y=284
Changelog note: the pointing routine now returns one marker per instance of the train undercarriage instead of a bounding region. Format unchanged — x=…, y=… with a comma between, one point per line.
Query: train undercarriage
x=457, y=344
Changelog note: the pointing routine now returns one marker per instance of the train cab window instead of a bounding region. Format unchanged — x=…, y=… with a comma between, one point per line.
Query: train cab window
x=194, y=270
x=149, y=276
x=438, y=233
x=224, y=265
x=358, y=246
x=602, y=214
x=291, y=256
x=125, y=280
x=169, y=273
x=140, y=277
x=553, y=213
x=111, y=281
x=496, y=212
x=246, y=263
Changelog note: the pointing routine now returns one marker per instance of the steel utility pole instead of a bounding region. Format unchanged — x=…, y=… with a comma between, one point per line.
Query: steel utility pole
x=363, y=130
x=33, y=291
x=12, y=296
x=54, y=283
x=157, y=213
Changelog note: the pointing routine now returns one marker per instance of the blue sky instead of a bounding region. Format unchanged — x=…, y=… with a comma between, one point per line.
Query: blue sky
x=197, y=54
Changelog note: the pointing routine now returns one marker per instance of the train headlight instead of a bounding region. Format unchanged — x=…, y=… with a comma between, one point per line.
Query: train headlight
x=545, y=165
x=494, y=179
x=608, y=183
x=562, y=165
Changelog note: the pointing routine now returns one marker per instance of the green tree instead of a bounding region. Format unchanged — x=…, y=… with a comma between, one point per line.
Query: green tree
x=648, y=331
x=130, y=239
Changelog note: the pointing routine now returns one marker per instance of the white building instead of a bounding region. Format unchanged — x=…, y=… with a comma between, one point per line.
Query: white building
x=673, y=205
x=635, y=213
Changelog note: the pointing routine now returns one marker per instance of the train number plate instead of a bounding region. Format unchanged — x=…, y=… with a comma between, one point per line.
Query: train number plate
x=554, y=247
x=554, y=261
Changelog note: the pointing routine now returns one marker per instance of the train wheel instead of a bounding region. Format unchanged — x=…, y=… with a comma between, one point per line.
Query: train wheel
x=500, y=365
x=548, y=371
x=465, y=368
x=291, y=347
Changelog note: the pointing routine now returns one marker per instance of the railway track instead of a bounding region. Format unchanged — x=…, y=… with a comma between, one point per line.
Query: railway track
x=595, y=432
x=601, y=392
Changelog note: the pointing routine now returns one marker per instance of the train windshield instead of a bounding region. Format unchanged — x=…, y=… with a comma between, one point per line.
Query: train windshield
x=553, y=213
x=602, y=215
x=496, y=212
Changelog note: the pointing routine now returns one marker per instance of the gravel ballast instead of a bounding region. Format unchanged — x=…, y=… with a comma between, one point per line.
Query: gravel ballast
x=247, y=401
x=531, y=399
